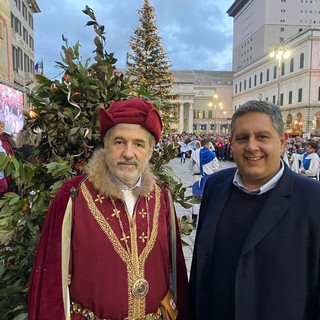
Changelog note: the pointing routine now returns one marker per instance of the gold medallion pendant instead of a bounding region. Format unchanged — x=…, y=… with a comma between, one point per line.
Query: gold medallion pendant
x=140, y=288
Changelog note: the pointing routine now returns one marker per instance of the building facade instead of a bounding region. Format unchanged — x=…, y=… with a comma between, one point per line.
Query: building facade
x=16, y=57
x=292, y=82
x=205, y=100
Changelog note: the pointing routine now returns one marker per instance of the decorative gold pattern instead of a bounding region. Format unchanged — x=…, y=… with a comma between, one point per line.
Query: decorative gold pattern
x=99, y=198
x=134, y=262
x=143, y=213
x=143, y=237
x=116, y=212
x=140, y=288
x=149, y=196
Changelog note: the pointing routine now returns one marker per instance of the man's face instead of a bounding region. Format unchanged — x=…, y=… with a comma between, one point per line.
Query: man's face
x=257, y=148
x=128, y=152
x=1, y=126
x=310, y=149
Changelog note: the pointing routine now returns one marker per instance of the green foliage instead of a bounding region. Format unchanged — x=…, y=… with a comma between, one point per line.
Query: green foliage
x=21, y=217
x=65, y=112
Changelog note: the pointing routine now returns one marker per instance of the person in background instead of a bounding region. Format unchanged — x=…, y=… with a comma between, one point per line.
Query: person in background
x=7, y=133
x=207, y=162
x=193, y=166
x=26, y=140
x=6, y=144
x=110, y=246
x=257, y=247
x=3, y=180
x=183, y=148
x=309, y=161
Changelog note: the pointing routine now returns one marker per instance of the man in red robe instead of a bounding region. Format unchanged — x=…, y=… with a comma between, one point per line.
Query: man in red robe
x=110, y=247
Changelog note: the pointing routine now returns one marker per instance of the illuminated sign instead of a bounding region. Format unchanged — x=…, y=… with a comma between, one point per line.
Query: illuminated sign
x=11, y=105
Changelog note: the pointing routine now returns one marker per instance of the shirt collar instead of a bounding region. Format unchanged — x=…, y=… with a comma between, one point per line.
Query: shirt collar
x=125, y=187
x=265, y=188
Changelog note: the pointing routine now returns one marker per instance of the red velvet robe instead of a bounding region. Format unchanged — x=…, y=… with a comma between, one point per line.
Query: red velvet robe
x=100, y=275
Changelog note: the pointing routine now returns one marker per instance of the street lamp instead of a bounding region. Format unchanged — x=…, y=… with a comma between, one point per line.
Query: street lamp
x=280, y=54
x=215, y=105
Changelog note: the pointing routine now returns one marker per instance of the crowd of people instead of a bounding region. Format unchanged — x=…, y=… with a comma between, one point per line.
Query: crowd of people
x=295, y=148
x=110, y=247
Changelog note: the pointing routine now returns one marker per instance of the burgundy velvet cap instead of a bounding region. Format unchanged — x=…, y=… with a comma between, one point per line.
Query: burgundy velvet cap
x=132, y=111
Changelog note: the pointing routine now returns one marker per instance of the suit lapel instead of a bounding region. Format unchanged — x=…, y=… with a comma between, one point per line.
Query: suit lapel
x=273, y=210
x=214, y=206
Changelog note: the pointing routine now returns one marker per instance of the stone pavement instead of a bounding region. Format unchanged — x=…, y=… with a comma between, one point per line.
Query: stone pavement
x=185, y=176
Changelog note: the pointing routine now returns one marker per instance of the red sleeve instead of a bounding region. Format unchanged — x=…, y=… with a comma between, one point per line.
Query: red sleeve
x=45, y=290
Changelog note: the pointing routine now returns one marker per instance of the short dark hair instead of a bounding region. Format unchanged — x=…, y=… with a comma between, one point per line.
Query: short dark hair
x=204, y=142
x=313, y=144
x=260, y=106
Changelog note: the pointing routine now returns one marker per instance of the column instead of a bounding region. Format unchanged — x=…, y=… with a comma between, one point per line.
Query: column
x=190, y=124
x=181, y=118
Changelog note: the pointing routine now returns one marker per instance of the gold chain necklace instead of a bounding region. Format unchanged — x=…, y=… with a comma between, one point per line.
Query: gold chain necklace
x=140, y=286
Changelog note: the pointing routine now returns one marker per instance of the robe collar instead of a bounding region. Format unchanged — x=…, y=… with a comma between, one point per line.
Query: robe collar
x=100, y=176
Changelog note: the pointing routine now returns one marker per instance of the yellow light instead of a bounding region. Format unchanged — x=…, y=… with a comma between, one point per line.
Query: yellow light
x=279, y=55
x=272, y=54
x=32, y=114
x=287, y=54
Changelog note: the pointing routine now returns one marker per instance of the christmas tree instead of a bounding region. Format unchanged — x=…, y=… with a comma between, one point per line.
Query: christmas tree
x=66, y=113
x=149, y=66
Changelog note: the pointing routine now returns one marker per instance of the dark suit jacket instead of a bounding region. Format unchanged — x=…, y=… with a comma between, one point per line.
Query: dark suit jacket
x=277, y=277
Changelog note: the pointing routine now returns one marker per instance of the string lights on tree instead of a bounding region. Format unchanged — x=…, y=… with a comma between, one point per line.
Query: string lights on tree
x=149, y=67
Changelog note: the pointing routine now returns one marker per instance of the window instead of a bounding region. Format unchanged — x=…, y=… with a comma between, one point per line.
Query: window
x=25, y=35
x=24, y=11
x=245, y=85
x=240, y=87
x=13, y=18
x=261, y=77
x=30, y=21
x=274, y=72
x=31, y=66
x=26, y=63
x=236, y=89
x=300, y=95
x=290, y=97
x=281, y=99
x=20, y=59
x=282, y=29
x=210, y=114
x=301, y=60
x=255, y=80
x=291, y=65
x=318, y=93
x=18, y=4
x=15, y=59
x=249, y=82
x=274, y=99
x=17, y=26
x=283, y=68
x=268, y=75
x=31, y=44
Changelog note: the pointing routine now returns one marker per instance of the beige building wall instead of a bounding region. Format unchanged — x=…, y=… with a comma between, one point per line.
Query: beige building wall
x=199, y=111
x=299, y=86
x=259, y=24
x=6, y=72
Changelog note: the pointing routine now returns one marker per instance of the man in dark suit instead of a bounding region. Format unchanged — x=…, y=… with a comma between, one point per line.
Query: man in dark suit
x=257, y=248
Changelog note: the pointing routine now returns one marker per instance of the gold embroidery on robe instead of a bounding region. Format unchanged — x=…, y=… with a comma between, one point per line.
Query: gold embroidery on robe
x=136, y=307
